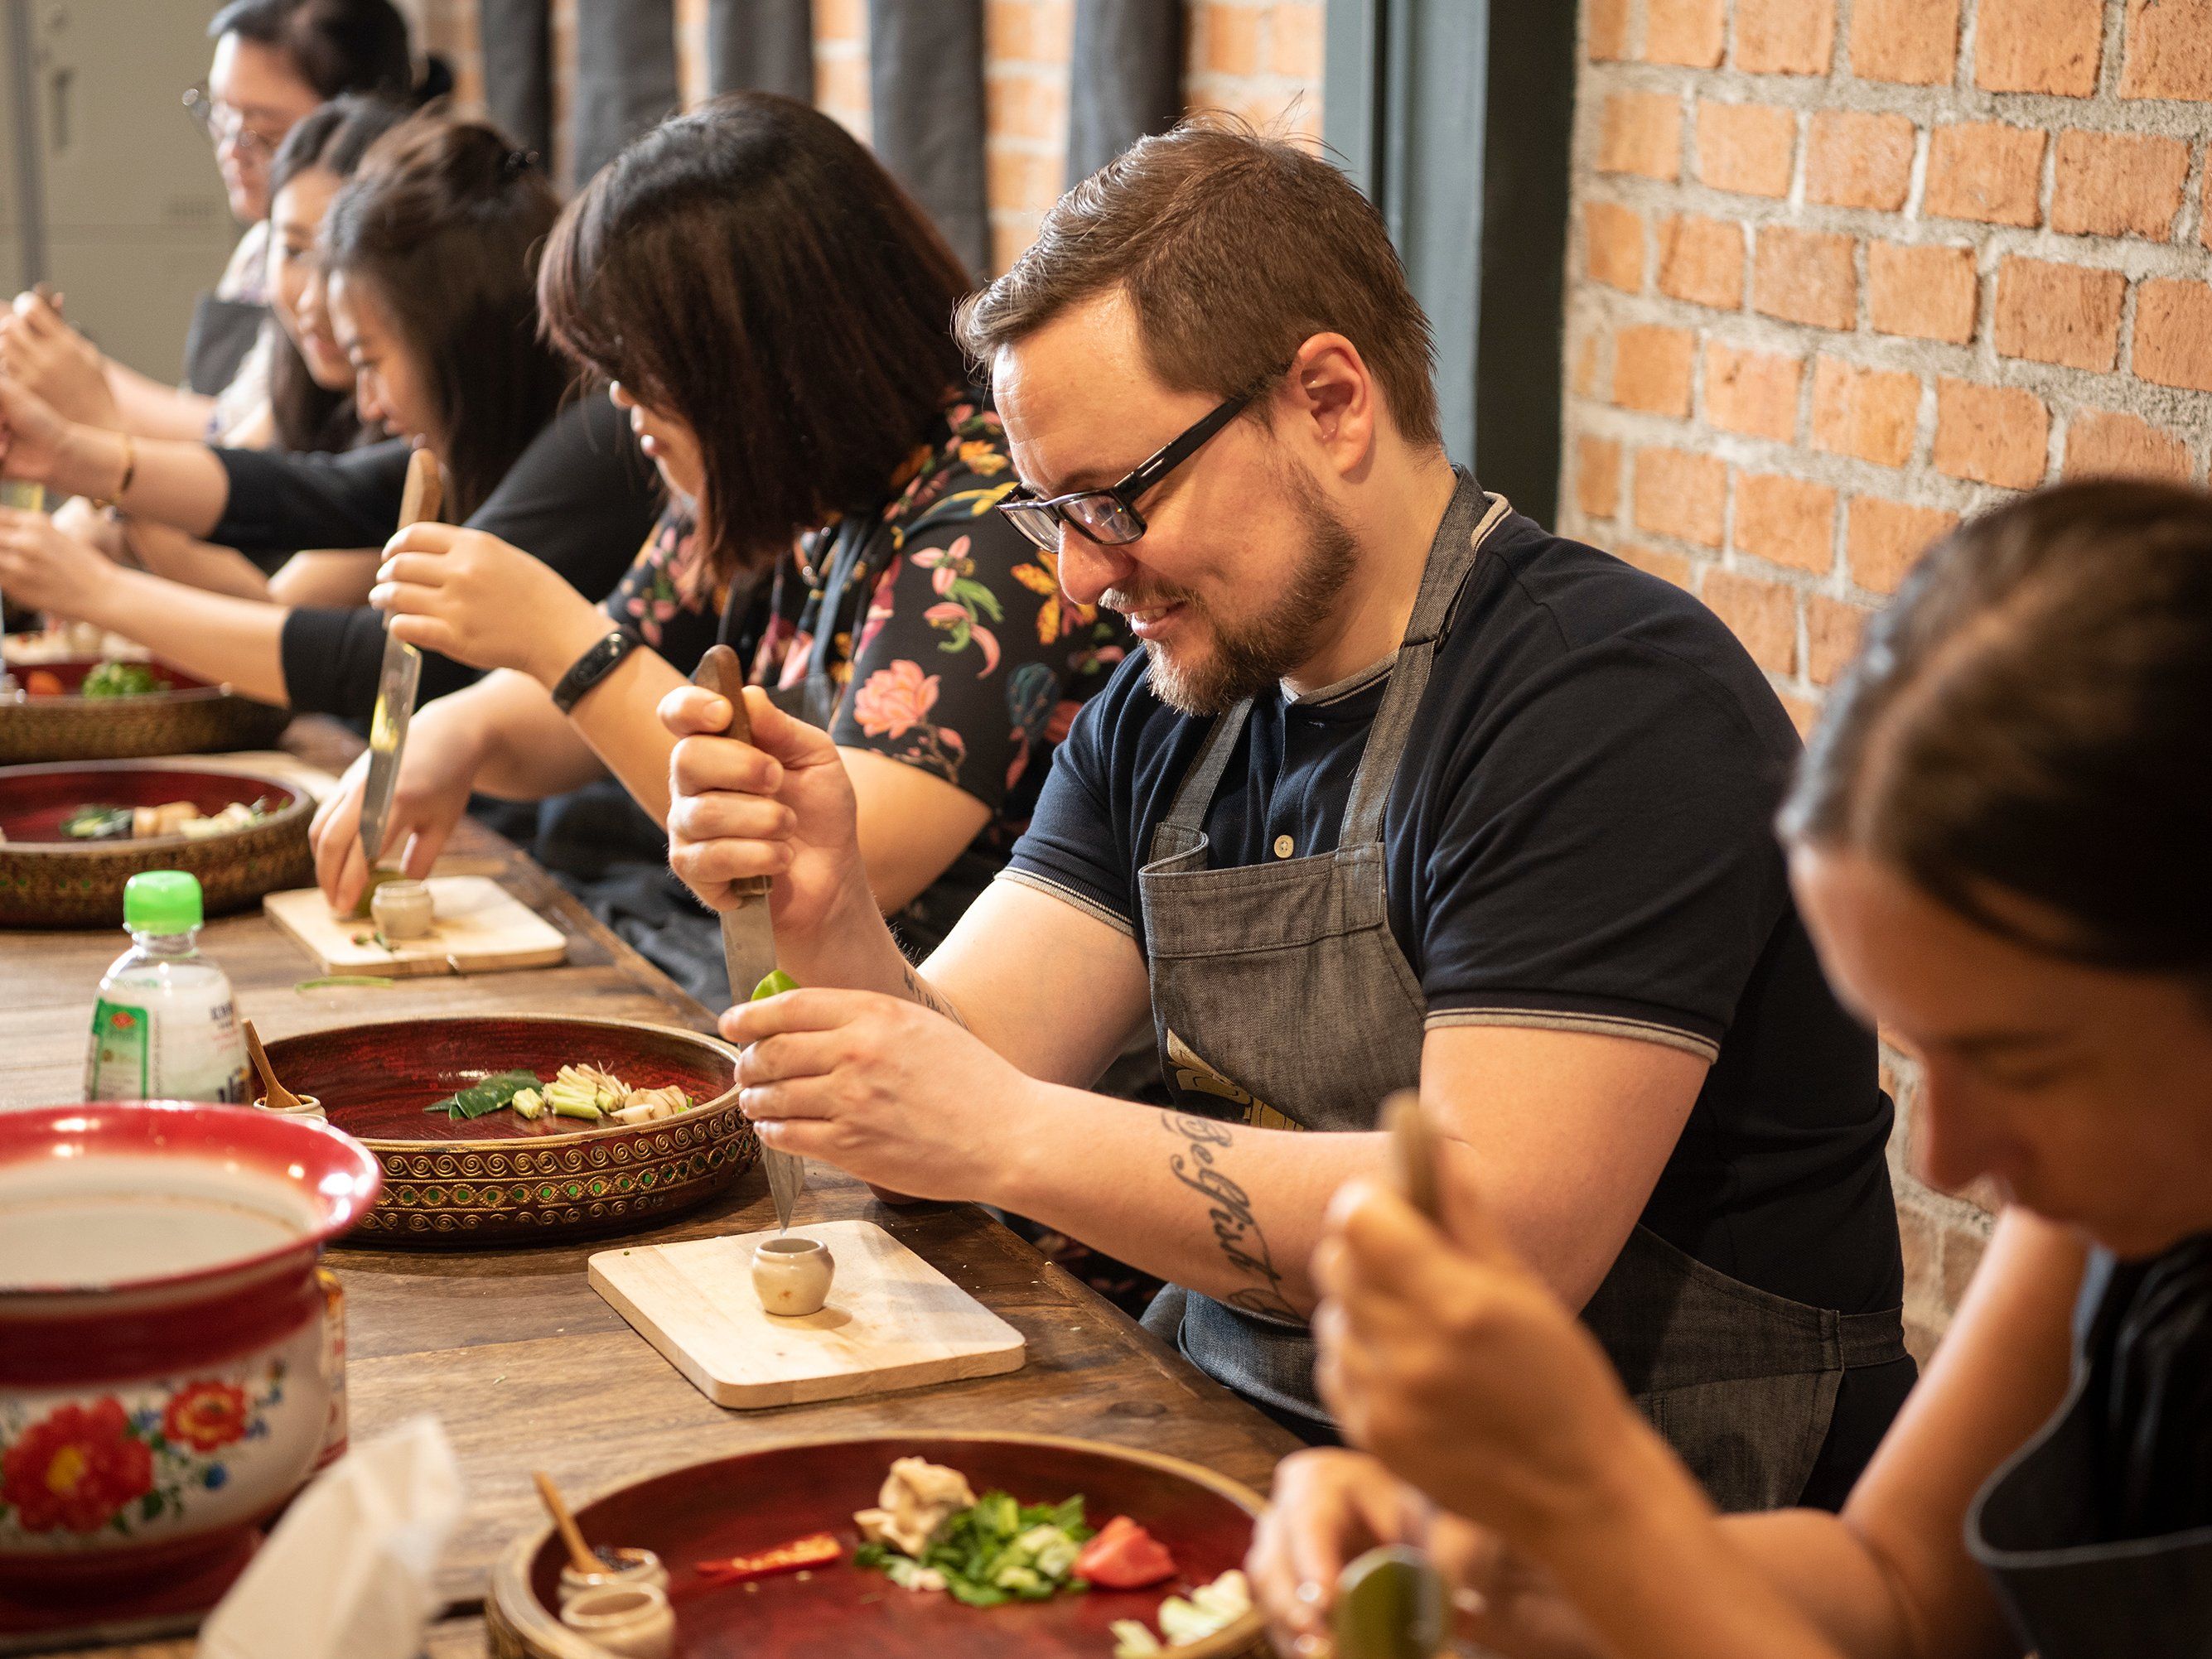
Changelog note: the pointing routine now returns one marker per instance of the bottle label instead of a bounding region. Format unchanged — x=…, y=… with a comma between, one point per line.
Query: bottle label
x=122, y=1039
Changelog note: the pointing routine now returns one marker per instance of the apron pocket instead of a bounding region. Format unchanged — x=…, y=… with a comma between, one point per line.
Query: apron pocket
x=1752, y=1442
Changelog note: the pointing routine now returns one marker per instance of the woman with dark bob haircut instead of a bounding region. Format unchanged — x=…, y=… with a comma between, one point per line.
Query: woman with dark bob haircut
x=775, y=315
x=2002, y=839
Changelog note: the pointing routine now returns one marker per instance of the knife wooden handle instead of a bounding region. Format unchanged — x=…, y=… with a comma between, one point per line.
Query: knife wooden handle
x=1412, y=1151
x=425, y=490
x=720, y=672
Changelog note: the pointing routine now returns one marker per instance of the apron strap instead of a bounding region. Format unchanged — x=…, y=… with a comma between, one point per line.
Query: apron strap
x=1196, y=794
x=1467, y=521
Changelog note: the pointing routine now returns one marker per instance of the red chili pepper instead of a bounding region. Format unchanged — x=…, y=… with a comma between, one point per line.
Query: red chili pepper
x=816, y=1549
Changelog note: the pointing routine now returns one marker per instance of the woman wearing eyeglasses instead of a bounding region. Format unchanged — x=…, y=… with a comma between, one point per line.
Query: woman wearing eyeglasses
x=275, y=61
x=776, y=314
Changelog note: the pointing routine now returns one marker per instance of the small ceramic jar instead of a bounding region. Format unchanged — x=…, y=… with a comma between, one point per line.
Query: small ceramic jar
x=622, y=1569
x=401, y=909
x=309, y=1108
x=633, y=1621
x=791, y=1275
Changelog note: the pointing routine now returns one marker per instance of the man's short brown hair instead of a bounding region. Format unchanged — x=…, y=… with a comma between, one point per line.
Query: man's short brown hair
x=1234, y=249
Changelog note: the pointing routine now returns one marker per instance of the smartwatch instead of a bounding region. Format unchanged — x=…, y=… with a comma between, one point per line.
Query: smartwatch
x=594, y=666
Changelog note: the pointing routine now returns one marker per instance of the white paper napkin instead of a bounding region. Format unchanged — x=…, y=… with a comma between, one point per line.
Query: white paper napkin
x=349, y=1573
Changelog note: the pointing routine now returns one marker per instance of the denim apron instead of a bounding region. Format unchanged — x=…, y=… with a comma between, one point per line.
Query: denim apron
x=1280, y=998
x=2147, y=1598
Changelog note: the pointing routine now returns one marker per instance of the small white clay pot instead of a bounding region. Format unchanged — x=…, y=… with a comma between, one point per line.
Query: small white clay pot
x=310, y=1108
x=401, y=909
x=791, y=1275
x=629, y=1568
x=633, y=1621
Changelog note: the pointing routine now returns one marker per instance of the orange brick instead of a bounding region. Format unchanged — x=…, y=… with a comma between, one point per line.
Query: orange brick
x=1786, y=520
x=1006, y=33
x=2102, y=442
x=1586, y=364
x=1884, y=538
x=1762, y=614
x=1613, y=237
x=1805, y=276
x=1689, y=31
x=2058, y=313
x=1701, y=260
x=1929, y=291
x=1831, y=637
x=1985, y=171
x=1232, y=39
x=1857, y=159
x=1643, y=133
x=1785, y=37
x=2038, y=46
x=1597, y=477
x=2174, y=333
x=1651, y=370
x=1668, y=567
x=1754, y=392
x=2169, y=51
x=1608, y=23
x=2110, y=184
x=1914, y=41
x=1994, y=434
x=1681, y=495
x=847, y=20
x=1748, y=148
x=1870, y=413
x=1294, y=40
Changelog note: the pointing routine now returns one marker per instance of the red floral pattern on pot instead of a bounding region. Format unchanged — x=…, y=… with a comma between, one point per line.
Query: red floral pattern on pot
x=205, y=1415
x=77, y=1468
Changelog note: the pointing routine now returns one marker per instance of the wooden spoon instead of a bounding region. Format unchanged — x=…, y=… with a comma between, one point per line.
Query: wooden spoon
x=578, y=1557
x=280, y=1098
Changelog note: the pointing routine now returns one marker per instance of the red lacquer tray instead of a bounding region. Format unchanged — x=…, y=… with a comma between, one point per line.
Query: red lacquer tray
x=499, y=1179
x=49, y=881
x=750, y=1502
x=187, y=716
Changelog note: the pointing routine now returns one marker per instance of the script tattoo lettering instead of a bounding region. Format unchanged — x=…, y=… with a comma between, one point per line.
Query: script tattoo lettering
x=1236, y=1229
x=921, y=990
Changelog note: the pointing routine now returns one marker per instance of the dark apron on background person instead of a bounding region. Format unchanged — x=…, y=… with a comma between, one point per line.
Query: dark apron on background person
x=2145, y=1598
x=222, y=332
x=1280, y=996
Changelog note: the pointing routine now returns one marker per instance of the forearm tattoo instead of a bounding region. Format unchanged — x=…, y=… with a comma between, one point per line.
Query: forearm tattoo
x=922, y=992
x=1236, y=1230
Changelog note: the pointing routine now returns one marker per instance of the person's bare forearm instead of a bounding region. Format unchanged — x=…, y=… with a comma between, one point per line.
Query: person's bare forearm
x=529, y=750
x=215, y=636
x=152, y=409
x=170, y=553
x=181, y=485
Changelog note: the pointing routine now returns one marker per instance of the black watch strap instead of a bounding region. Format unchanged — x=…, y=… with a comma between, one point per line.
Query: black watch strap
x=594, y=666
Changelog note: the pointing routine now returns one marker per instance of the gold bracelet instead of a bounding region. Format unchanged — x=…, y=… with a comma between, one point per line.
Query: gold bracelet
x=114, y=503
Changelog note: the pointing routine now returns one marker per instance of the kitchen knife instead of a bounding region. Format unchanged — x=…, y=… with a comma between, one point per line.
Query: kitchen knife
x=748, y=935
x=401, y=673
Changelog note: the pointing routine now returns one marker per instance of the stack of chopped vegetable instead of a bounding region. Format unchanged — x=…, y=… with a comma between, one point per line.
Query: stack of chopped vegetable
x=1209, y=1609
x=121, y=679
x=176, y=818
x=993, y=1552
x=584, y=1093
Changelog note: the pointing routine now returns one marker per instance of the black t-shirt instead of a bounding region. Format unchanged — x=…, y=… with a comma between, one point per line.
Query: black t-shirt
x=579, y=497
x=1578, y=837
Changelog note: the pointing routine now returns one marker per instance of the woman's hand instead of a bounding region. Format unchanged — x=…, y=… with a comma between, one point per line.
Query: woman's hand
x=1454, y=1363
x=437, y=769
x=33, y=434
x=50, y=570
x=59, y=365
x=781, y=806
x=474, y=599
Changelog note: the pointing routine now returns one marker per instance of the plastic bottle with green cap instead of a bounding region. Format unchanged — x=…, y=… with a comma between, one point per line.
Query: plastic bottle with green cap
x=165, y=1024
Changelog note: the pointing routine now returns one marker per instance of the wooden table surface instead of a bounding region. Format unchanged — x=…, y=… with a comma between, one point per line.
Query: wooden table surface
x=512, y=1350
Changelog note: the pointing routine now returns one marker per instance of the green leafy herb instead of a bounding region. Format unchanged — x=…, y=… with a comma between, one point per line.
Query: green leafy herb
x=121, y=679
x=98, y=823
x=343, y=981
x=487, y=1097
x=996, y=1551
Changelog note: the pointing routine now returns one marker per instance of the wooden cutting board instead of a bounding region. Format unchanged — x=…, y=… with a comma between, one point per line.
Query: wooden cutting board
x=893, y=1321
x=481, y=928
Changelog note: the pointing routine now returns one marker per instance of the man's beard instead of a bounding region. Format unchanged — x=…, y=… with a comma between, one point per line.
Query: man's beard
x=1257, y=655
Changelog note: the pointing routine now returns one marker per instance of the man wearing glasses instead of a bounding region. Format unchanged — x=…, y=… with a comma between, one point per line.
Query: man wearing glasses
x=1401, y=791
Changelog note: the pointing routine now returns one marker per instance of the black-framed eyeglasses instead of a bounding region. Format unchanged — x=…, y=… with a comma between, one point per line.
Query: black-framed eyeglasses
x=1109, y=516
x=224, y=125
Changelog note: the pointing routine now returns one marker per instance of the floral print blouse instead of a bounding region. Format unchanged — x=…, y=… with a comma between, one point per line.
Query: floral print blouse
x=943, y=632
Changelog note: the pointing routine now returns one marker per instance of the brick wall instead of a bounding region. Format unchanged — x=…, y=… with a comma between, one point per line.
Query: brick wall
x=1841, y=271
x=1260, y=58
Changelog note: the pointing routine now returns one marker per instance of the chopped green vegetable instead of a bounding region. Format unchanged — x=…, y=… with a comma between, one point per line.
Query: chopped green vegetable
x=488, y=1095
x=774, y=985
x=98, y=823
x=995, y=1551
x=336, y=981
x=121, y=679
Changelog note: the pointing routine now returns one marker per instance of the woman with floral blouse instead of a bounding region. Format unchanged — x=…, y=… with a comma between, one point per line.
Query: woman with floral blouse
x=773, y=314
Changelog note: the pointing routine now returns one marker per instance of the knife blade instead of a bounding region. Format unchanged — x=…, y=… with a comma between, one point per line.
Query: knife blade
x=747, y=934
x=397, y=681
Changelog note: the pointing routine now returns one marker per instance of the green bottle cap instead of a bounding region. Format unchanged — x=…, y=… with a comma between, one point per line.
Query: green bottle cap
x=161, y=902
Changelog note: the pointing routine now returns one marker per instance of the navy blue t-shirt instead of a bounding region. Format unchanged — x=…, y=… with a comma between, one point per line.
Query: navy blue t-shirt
x=1578, y=837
